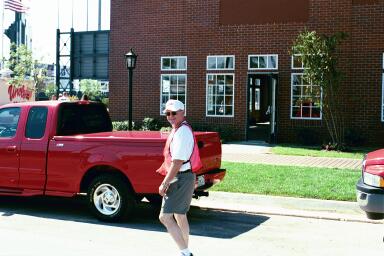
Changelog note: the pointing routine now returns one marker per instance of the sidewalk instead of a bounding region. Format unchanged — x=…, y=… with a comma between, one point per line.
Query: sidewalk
x=259, y=152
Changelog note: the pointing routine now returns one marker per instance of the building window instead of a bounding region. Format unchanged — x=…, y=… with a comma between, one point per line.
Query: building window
x=260, y=62
x=174, y=63
x=297, y=62
x=221, y=62
x=305, y=98
x=173, y=86
x=382, y=92
x=220, y=94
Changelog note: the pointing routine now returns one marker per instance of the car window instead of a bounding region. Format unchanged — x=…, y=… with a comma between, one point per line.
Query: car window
x=9, y=118
x=37, y=120
x=83, y=118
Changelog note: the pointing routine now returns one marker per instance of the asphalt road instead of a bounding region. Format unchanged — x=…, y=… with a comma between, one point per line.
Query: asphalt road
x=54, y=226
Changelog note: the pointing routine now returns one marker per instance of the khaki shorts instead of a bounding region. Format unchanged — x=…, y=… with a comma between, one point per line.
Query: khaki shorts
x=179, y=194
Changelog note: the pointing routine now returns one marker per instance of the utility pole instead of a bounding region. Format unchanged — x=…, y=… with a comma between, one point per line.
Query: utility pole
x=99, y=27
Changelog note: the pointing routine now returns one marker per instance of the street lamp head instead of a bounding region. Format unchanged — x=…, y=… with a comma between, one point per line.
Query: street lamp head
x=130, y=59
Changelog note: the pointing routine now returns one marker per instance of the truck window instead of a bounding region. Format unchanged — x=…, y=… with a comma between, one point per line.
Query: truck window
x=37, y=120
x=75, y=118
x=9, y=118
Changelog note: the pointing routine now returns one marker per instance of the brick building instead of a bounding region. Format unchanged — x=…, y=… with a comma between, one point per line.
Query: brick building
x=229, y=61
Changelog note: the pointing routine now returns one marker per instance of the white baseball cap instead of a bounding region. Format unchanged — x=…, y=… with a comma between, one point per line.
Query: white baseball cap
x=173, y=105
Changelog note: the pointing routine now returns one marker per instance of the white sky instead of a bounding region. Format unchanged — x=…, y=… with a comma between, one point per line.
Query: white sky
x=44, y=17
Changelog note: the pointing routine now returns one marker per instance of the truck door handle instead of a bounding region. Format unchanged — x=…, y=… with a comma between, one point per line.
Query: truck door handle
x=11, y=149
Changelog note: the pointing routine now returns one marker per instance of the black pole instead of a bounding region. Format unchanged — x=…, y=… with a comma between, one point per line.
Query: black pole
x=57, y=62
x=130, y=100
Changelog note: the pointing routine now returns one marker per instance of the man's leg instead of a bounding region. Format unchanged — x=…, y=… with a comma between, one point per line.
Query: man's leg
x=173, y=229
x=182, y=222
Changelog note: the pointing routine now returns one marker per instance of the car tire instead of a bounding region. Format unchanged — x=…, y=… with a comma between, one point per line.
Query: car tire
x=110, y=198
x=375, y=215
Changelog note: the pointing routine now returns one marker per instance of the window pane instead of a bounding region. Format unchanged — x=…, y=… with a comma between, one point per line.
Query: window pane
x=229, y=63
x=173, y=89
x=220, y=80
x=220, y=89
x=316, y=112
x=220, y=62
x=9, y=118
x=181, y=90
x=181, y=98
x=228, y=100
x=229, y=79
x=272, y=62
x=296, y=91
x=220, y=100
x=37, y=119
x=220, y=110
x=229, y=110
x=229, y=90
x=296, y=79
x=182, y=63
x=173, y=80
x=211, y=62
x=166, y=63
x=254, y=62
x=181, y=79
x=296, y=112
x=173, y=63
x=210, y=102
x=262, y=62
x=211, y=80
x=297, y=63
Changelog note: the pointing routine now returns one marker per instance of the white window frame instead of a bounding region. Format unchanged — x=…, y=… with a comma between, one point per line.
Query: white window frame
x=233, y=95
x=291, y=105
x=161, y=90
x=296, y=68
x=263, y=55
x=177, y=63
x=220, y=56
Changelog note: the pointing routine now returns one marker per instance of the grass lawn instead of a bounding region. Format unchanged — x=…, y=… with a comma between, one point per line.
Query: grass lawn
x=295, y=150
x=306, y=182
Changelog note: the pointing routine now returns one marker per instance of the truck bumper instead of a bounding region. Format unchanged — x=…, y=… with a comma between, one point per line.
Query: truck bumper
x=370, y=199
x=208, y=179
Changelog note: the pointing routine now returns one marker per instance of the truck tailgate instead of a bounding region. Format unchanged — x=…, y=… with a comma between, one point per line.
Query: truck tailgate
x=210, y=150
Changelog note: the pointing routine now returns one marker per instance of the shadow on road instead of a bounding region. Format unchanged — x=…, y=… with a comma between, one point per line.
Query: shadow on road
x=203, y=222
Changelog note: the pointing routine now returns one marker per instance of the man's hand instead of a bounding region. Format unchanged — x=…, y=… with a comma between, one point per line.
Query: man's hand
x=163, y=188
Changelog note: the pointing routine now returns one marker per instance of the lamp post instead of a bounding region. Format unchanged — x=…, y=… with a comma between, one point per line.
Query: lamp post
x=130, y=63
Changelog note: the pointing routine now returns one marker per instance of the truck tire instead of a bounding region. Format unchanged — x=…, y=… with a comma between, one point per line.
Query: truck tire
x=110, y=198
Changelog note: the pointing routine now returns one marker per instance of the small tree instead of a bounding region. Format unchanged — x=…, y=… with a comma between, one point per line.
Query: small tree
x=91, y=87
x=20, y=62
x=318, y=53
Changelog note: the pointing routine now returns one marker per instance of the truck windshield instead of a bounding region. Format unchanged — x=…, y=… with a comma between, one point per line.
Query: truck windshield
x=77, y=118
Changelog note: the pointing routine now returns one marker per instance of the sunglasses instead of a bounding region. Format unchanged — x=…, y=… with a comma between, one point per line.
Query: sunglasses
x=171, y=113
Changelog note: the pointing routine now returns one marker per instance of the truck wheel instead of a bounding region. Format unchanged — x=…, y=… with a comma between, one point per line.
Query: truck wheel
x=110, y=198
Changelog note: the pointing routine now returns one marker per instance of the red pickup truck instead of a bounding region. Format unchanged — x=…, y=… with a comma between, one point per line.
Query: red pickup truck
x=68, y=148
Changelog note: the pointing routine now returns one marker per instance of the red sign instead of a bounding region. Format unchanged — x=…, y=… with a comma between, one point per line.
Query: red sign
x=22, y=92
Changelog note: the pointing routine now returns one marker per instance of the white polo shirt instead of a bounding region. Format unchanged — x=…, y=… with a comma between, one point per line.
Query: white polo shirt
x=182, y=146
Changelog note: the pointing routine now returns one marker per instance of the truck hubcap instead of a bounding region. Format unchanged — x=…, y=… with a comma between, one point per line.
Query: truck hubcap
x=106, y=199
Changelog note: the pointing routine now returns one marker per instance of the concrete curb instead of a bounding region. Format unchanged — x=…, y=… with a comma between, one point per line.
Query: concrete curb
x=284, y=206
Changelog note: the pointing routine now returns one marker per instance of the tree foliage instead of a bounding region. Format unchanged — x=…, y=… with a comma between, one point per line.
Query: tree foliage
x=91, y=87
x=20, y=62
x=319, y=56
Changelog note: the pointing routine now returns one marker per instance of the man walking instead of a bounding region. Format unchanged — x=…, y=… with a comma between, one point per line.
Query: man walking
x=179, y=181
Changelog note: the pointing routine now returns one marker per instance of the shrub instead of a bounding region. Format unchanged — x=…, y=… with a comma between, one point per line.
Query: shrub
x=121, y=125
x=165, y=129
x=150, y=124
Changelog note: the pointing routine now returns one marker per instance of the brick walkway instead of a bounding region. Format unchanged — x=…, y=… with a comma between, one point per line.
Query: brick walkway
x=260, y=153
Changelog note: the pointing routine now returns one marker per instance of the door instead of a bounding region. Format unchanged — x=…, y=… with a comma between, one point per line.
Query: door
x=261, y=107
x=9, y=147
x=34, y=149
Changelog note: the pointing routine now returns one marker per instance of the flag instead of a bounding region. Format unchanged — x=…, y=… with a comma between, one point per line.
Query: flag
x=15, y=5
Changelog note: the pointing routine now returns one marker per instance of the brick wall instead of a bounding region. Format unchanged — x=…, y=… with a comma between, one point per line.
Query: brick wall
x=189, y=28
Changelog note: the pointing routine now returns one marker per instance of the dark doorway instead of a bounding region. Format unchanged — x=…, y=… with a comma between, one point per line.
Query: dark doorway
x=262, y=107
